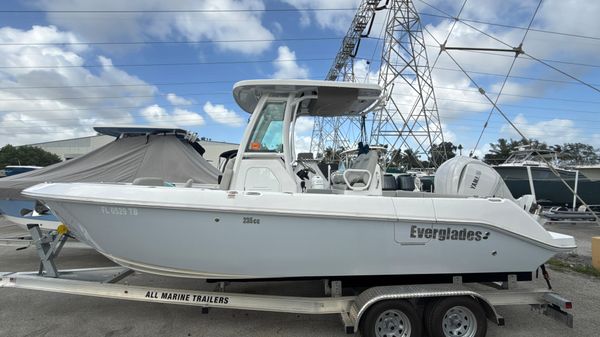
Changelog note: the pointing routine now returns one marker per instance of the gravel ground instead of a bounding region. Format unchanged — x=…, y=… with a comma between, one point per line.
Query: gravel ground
x=582, y=232
x=32, y=313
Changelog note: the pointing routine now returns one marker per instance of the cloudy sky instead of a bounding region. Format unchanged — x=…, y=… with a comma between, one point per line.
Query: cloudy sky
x=66, y=65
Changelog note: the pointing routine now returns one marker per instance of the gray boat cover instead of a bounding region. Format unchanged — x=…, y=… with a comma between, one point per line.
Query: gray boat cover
x=168, y=157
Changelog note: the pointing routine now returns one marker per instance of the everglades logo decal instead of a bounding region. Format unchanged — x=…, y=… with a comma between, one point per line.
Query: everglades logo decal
x=448, y=233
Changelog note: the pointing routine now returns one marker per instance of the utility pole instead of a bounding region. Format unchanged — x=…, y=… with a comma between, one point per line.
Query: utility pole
x=409, y=117
x=342, y=132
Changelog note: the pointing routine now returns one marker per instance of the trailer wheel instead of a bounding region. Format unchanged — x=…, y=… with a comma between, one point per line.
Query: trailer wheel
x=456, y=317
x=391, y=319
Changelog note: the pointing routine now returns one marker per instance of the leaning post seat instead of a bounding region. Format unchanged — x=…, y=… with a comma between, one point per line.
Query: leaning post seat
x=360, y=173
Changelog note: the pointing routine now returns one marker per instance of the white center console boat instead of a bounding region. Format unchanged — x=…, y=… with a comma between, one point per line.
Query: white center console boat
x=263, y=222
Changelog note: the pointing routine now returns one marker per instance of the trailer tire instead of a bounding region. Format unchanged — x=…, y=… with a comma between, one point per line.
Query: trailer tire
x=429, y=305
x=392, y=318
x=456, y=316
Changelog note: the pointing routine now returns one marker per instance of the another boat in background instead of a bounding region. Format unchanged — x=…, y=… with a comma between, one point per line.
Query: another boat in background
x=171, y=155
x=11, y=170
x=528, y=171
x=591, y=172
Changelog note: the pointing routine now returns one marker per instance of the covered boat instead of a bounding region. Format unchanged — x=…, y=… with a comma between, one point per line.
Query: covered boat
x=171, y=154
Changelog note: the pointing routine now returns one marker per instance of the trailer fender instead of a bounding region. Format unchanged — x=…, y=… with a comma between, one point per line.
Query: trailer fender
x=377, y=294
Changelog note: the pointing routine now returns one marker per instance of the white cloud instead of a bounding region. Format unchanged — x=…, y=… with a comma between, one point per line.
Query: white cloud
x=304, y=124
x=157, y=115
x=337, y=20
x=552, y=131
x=176, y=100
x=302, y=144
x=286, y=65
x=220, y=114
x=63, y=99
x=449, y=136
x=187, y=117
x=363, y=72
x=190, y=26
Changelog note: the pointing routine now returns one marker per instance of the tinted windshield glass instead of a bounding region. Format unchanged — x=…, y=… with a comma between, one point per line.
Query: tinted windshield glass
x=267, y=135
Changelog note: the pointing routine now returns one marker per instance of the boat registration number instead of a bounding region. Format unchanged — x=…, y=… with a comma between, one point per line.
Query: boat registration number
x=119, y=211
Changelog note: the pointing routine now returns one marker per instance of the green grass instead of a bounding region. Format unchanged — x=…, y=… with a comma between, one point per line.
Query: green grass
x=561, y=265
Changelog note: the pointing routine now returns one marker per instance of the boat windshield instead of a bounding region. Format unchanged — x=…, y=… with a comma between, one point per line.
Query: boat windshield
x=517, y=158
x=267, y=135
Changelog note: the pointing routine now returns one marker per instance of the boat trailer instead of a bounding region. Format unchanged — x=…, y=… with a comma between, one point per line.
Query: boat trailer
x=24, y=241
x=384, y=310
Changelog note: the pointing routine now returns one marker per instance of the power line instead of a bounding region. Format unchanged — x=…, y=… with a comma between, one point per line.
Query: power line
x=254, y=40
x=514, y=60
x=522, y=106
x=248, y=62
x=522, y=96
x=176, y=118
x=165, y=119
x=528, y=58
x=508, y=45
x=110, y=97
x=165, y=42
x=163, y=64
x=232, y=81
x=529, y=107
x=228, y=93
x=545, y=31
x=123, y=108
x=468, y=123
x=117, y=85
x=187, y=10
x=280, y=10
x=566, y=112
x=511, y=76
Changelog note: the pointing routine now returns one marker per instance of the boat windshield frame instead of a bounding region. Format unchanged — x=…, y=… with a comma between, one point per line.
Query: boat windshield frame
x=531, y=157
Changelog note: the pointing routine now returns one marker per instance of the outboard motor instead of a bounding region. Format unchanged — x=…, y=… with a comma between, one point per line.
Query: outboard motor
x=471, y=177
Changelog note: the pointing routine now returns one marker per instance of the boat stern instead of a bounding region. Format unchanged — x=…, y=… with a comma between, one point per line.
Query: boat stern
x=563, y=241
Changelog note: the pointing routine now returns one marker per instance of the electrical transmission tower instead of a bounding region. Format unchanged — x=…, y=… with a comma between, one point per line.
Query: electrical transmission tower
x=409, y=117
x=343, y=132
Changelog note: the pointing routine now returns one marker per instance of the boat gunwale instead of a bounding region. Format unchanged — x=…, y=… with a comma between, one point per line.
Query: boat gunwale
x=308, y=214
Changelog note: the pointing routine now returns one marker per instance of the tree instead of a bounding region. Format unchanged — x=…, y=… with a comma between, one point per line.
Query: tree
x=330, y=155
x=442, y=152
x=500, y=151
x=580, y=154
x=395, y=158
x=411, y=160
x=569, y=153
x=26, y=155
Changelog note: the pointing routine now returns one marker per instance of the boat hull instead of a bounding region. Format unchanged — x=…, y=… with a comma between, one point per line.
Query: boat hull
x=253, y=243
